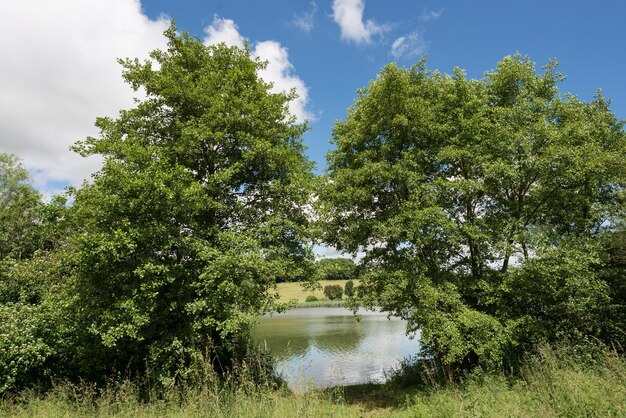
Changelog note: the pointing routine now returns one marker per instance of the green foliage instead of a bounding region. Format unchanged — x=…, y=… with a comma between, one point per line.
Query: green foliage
x=613, y=274
x=335, y=269
x=465, y=196
x=32, y=332
x=310, y=298
x=23, y=351
x=20, y=210
x=558, y=295
x=197, y=210
x=22, y=281
x=348, y=288
x=333, y=291
x=39, y=341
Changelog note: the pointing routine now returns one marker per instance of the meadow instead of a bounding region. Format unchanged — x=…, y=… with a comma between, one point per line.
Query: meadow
x=290, y=291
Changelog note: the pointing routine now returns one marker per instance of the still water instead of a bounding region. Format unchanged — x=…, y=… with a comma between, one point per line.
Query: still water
x=318, y=347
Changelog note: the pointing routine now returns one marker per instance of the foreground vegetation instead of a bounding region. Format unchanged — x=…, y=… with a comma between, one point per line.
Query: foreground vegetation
x=550, y=384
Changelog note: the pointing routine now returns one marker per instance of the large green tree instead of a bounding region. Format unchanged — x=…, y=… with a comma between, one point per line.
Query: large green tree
x=196, y=211
x=476, y=203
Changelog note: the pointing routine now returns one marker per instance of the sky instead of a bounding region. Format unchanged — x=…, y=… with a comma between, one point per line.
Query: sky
x=58, y=68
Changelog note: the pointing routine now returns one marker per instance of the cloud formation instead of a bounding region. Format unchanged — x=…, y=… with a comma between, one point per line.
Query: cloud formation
x=409, y=46
x=348, y=14
x=429, y=15
x=305, y=21
x=223, y=30
x=279, y=70
x=59, y=72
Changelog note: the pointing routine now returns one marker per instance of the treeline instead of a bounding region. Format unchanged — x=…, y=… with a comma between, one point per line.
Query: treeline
x=489, y=214
x=338, y=268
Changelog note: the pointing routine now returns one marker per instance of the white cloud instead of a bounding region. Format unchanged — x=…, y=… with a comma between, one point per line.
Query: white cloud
x=429, y=15
x=409, y=46
x=59, y=72
x=348, y=14
x=223, y=30
x=327, y=251
x=305, y=21
x=279, y=70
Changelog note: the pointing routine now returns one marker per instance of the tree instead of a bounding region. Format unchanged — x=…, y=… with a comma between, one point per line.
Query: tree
x=34, y=343
x=20, y=210
x=335, y=269
x=333, y=291
x=348, y=288
x=196, y=211
x=459, y=191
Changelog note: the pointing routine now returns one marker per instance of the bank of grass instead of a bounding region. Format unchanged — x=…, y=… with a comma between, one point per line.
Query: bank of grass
x=296, y=291
x=549, y=386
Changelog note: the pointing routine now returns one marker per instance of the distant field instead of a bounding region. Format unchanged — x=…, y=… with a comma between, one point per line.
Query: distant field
x=290, y=291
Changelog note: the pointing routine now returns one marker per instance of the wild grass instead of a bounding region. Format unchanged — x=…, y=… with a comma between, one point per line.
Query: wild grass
x=550, y=385
x=125, y=400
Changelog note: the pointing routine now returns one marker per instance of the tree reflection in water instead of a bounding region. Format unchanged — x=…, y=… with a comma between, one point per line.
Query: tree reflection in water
x=324, y=346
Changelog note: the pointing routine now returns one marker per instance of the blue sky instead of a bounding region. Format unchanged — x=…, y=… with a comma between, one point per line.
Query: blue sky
x=588, y=38
x=59, y=71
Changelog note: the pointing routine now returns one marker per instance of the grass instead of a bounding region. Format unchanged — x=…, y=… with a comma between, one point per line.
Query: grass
x=295, y=290
x=549, y=386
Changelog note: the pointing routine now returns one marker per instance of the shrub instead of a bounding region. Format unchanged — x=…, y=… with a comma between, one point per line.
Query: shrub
x=349, y=288
x=311, y=298
x=333, y=291
x=23, y=352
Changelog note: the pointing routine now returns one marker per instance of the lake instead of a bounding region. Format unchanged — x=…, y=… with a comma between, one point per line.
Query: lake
x=319, y=347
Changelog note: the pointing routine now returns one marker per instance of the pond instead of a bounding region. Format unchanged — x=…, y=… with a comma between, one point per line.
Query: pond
x=319, y=347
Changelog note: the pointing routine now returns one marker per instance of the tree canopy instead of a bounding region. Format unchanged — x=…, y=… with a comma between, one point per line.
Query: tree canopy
x=196, y=211
x=475, y=201
x=335, y=269
x=20, y=210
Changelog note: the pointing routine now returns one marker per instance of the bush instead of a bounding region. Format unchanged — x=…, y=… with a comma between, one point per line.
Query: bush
x=311, y=298
x=333, y=291
x=349, y=288
x=23, y=352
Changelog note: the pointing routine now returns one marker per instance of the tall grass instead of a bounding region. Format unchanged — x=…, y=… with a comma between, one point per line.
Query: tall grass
x=124, y=401
x=551, y=384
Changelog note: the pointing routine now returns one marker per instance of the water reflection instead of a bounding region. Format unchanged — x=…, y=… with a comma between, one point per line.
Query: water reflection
x=327, y=346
